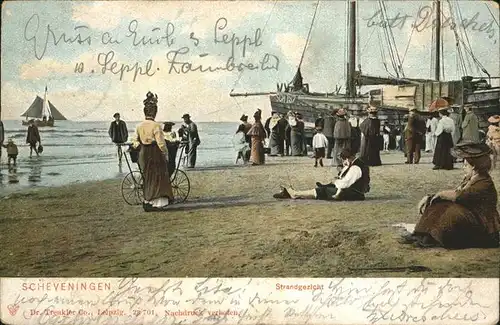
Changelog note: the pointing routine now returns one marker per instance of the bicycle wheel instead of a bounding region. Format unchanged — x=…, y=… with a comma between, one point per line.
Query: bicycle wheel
x=132, y=188
x=180, y=186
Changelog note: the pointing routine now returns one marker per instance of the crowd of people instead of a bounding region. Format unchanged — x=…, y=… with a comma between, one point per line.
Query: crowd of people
x=464, y=217
x=368, y=135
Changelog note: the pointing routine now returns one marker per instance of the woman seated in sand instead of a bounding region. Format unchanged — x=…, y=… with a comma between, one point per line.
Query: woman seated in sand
x=352, y=183
x=466, y=217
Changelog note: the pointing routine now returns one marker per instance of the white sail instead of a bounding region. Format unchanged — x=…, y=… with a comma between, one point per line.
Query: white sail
x=46, y=108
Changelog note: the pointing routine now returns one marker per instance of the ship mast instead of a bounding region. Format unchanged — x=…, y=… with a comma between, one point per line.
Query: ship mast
x=437, y=32
x=351, y=65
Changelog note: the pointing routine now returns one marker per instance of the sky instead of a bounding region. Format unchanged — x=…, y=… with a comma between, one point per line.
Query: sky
x=205, y=33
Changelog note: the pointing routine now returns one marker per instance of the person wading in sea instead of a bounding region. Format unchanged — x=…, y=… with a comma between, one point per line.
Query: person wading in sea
x=118, y=133
x=193, y=137
x=33, y=137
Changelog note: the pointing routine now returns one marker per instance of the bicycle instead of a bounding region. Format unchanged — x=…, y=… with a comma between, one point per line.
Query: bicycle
x=132, y=186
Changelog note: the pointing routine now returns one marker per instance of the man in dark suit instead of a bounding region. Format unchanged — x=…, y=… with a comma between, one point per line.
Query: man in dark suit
x=328, y=128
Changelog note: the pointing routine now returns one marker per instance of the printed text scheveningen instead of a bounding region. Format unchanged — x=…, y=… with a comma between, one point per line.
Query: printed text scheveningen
x=66, y=286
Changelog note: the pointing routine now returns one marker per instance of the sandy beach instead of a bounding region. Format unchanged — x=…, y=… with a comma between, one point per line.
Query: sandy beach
x=232, y=227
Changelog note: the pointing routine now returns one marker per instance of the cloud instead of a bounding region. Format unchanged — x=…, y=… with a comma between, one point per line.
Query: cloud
x=199, y=16
x=203, y=95
x=291, y=46
x=49, y=67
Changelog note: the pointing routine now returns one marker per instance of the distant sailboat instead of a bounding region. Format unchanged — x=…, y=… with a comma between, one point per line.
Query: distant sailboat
x=43, y=111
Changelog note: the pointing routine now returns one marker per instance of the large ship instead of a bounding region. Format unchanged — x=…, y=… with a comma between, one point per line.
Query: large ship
x=395, y=94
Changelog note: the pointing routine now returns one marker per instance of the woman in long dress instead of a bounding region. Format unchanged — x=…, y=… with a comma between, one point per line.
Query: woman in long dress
x=355, y=134
x=153, y=158
x=258, y=135
x=465, y=217
x=442, y=158
x=370, y=130
x=296, y=133
x=274, y=136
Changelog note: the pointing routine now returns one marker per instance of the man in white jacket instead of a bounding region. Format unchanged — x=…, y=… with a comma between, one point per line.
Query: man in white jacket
x=351, y=184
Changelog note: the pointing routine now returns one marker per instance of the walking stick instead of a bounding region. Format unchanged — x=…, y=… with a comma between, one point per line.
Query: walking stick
x=411, y=268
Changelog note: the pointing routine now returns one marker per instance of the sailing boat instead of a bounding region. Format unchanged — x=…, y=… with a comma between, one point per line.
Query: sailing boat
x=397, y=94
x=44, y=112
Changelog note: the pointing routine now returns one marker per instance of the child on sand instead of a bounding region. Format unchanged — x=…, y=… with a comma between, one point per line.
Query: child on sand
x=11, y=151
x=320, y=142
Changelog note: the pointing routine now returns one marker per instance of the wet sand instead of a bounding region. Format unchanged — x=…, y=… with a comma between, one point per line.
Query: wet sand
x=231, y=226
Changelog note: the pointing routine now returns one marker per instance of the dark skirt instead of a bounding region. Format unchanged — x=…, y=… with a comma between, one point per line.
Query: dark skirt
x=156, y=177
x=454, y=226
x=296, y=143
x=172, y=155
x=370, y=153
x=319, y=153
x=355, y=139
x=326, y=192
x=274, y=144
x=442, y=154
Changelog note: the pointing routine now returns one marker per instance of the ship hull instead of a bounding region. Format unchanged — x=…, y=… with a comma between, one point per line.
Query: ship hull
x=393, y=102
x=41, y=123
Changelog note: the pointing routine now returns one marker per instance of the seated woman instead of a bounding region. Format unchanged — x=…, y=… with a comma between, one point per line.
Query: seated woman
x=172, y=145
x=352, y=183
x=241, y=145
x=153, y=158
x=466, y=217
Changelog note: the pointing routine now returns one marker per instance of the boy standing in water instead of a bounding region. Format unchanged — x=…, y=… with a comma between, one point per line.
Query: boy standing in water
x=33, y=137
x=11, y=151
x=320, y=143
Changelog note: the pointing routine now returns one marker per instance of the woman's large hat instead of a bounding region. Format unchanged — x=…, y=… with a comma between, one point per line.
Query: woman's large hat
x=439, y=105
x=150, y=104
x=494, y=119
x=257, y=114
x=244, y=118
x=471, y=150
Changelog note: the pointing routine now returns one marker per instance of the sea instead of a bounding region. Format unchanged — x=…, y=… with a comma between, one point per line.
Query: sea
x=75, y=152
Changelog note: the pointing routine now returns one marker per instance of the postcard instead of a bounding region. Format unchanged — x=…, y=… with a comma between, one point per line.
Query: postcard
x=250, y=162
